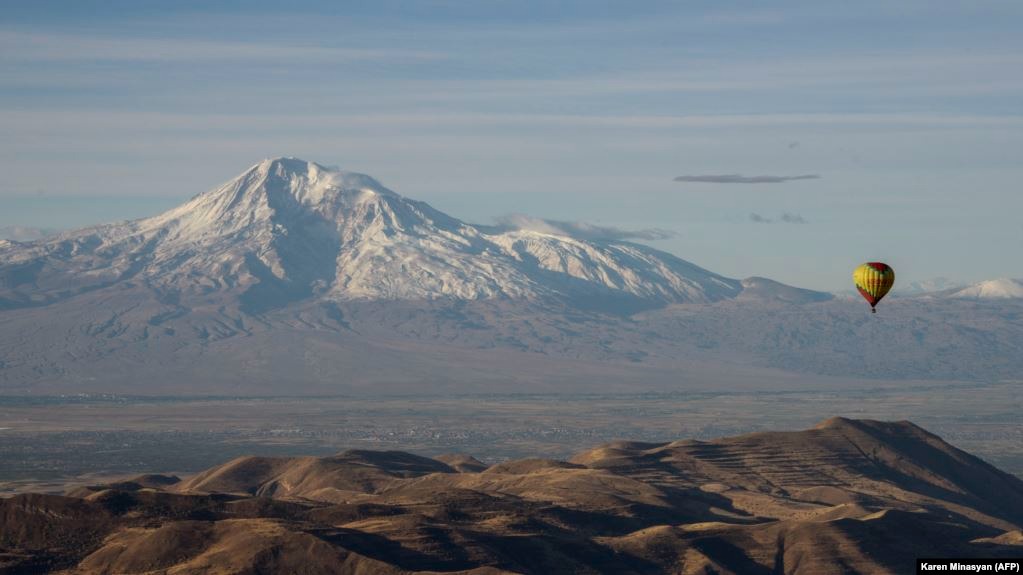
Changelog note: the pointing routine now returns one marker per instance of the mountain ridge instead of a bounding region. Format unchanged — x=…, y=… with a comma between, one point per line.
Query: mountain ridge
x=290, y=229
x=846, y=495
x=299, y=277
x=1002, y=288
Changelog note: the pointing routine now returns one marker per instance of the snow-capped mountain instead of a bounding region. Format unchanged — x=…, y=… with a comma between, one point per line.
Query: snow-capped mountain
x=1004, y=288
x=296, y=278
x=287, y=229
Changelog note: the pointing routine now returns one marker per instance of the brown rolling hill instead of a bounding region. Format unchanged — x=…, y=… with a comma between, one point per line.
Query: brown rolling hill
x=847, y=496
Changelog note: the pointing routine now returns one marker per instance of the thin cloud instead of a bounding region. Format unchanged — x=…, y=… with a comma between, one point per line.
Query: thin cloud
x=36, y=47
x=579, y=230
x=785, y=218
x=740, y=179
x=98, y=119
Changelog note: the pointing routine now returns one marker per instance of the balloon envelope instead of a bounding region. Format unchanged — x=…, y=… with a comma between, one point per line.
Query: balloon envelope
x=873, y=280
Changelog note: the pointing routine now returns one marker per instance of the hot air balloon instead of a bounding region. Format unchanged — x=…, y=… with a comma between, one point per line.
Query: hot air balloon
x=873, y=280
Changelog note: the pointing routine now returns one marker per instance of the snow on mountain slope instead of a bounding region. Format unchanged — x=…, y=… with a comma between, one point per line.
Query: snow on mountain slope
x=287, y=229
x=1004, y=288
x=293, y=276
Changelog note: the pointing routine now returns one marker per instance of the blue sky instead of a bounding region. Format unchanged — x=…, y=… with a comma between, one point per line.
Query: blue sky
x=910, y=113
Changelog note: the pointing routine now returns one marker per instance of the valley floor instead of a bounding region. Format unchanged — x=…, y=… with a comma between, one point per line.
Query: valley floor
x=844, y=496
x=53, y=443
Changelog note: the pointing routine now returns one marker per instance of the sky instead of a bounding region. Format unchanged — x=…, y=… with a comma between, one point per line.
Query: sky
x=791, y=140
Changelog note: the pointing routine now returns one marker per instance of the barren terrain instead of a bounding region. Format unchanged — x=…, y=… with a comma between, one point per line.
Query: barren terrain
x=846, y=495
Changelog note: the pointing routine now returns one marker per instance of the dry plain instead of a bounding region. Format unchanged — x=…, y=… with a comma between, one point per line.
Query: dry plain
x=51, y=443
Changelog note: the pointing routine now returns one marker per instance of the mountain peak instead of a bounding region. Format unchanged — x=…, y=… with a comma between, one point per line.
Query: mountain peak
x=288, y=229
x=309, y=181
x=266, y=200
x=1003, y=288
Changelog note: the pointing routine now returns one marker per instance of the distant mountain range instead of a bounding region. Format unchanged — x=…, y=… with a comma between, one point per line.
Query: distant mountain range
x=24, y=233
x=297, y=277
x=848, y=496
x=288, y=230
x=1004, y=288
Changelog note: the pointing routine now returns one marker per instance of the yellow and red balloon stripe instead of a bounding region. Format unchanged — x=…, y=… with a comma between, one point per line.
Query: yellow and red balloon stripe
x=874, y=280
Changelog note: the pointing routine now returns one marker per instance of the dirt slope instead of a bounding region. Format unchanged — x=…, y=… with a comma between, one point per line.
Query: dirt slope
x=845, y=496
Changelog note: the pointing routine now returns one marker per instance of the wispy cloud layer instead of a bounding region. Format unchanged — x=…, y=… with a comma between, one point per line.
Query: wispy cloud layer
x=43, y=47
x=494, y=107
x=785, y=218
x=740, y=179
x=579, y=230
x=74, y=119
